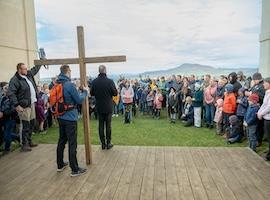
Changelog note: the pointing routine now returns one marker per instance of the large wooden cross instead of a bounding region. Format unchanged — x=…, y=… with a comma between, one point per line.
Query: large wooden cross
x=82, y=60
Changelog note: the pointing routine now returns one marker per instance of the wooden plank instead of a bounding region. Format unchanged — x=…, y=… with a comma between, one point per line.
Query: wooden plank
x=257, y=165
x=94, y=185
x=122, y=189
x=160, y=175
x=171, y=176
x=116, y=174
x=148, y=177
x=85, y=104
x=239, y=169
x=26, y=183
x=217, y=176
x=20, y=171
x=137, y=176
x=105, y=59
x=238, y=189
x=107, y=172
x=205, y=174
x=16, y=159
x=60, y=61
x=61, y=185
x=100, y=59
x=194, y=176
x=246, y=166
x=182, y=175
x=67, y=186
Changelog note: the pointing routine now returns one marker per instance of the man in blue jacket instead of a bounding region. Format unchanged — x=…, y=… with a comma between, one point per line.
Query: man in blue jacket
x=68, y=123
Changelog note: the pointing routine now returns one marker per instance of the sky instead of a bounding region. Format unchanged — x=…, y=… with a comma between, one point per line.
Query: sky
x=154, y=35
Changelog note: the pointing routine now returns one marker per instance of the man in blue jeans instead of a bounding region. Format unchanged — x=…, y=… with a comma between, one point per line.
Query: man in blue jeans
x=68, y=123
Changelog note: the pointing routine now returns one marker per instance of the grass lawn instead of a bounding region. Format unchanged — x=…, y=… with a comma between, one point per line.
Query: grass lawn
x=146, y=131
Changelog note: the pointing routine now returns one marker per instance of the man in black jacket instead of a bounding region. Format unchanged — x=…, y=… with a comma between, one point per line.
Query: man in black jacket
x=23, y=95
x=104, y=89
x=233, y=80
x=258, y=89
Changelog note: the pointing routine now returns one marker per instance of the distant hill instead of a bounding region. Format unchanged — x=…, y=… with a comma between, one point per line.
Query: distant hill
x=198, y=70
x=184, y=69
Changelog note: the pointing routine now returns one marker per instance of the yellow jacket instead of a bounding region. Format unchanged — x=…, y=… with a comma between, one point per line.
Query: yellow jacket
x=116, y=99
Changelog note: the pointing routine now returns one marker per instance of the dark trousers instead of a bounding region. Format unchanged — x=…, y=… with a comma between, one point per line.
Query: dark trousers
x=67, y=133
x=260, y=131
x=267, y=132
x=9, y=133
x=27, y=129
x=105, y=119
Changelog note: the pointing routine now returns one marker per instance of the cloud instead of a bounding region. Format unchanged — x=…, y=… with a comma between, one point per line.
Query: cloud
x=153, y=34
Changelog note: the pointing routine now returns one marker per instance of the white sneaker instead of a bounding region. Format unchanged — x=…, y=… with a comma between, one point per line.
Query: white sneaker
x=117, y=115
x=113, y=115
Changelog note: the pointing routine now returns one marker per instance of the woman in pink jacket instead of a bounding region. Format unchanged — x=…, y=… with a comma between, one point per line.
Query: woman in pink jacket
x=209, y=99
x=127, y=94
x=158, y=103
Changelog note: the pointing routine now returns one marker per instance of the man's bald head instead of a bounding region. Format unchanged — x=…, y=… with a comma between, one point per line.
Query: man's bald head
x=102, y=69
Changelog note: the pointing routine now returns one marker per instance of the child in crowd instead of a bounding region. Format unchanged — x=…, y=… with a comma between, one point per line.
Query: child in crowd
x=250, y=120
x=127, y=94
x=229, y=106
x=158, y=103
x=264, y=113
x=220, y=89
x=92, y=106
x=172, y=104
x=197, y=105
x=9, y=120
x=150, y=103
x=188, y=115
x=218, y=116
x=115, y=104
x=144, y=108
x=45, y=97
x=40, y=111
x=242, y=105
x=234, y=130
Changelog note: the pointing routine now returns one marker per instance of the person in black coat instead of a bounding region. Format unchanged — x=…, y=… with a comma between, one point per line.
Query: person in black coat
x=104, y=89
x=233, y=80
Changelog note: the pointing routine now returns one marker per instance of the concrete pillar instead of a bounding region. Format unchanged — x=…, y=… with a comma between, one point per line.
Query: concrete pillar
x=265, y=40
x=18, y=41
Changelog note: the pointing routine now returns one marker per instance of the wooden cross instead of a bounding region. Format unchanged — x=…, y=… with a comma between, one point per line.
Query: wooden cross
x=82, y=60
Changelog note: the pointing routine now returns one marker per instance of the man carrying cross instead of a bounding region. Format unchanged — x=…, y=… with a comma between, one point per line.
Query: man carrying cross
x=68, y=123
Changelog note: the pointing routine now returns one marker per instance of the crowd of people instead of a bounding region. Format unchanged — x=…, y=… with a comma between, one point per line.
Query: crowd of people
x=238, y=107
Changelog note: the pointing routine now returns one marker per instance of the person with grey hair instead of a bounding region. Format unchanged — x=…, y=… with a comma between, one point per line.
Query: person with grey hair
x=104, y=89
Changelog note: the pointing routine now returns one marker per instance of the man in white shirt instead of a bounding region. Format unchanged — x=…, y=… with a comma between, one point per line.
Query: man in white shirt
x=23, y=94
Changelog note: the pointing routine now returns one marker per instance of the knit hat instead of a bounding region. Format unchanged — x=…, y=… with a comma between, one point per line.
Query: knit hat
x=254, y=98
x=229, y=87
x=267, y=80
x=257, y=76
x=233, y=119
x=242, y=90
x=197, y=86
x=173, y=89
x=240, y=73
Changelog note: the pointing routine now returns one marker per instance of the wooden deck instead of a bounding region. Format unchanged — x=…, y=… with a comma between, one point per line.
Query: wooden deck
x=138, y=173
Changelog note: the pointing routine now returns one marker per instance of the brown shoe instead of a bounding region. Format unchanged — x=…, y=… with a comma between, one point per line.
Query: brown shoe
x=33, y=145
x=26, y=148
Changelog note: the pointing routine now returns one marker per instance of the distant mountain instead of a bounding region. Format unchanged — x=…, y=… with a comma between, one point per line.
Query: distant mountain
x=196, y=69
x=184, y=69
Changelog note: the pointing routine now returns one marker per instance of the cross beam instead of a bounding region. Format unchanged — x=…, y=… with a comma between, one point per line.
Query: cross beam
x=82, y=60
